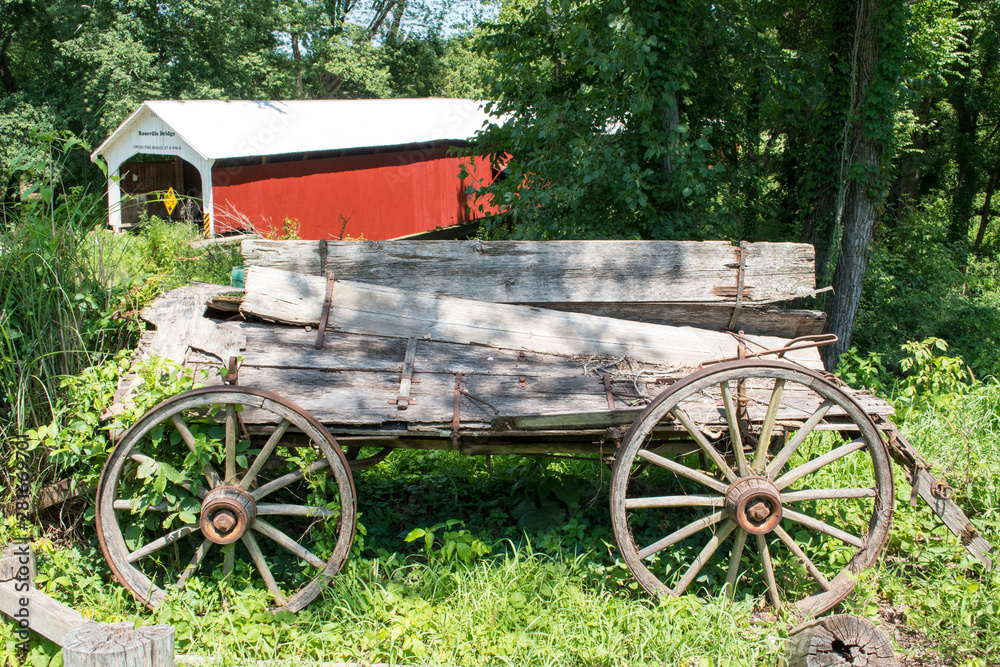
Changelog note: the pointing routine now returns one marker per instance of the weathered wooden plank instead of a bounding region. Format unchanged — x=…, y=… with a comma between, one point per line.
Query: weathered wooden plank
x=180, y=324
x=554, y=271
x=755, y=320
x=357, y=398
x=362, y=308
x=954, y=518
x=50, y=618
x=275, y=346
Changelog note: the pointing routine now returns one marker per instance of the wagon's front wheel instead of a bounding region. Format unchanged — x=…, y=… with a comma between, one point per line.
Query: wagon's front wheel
x=230, y=482
x=755, y=477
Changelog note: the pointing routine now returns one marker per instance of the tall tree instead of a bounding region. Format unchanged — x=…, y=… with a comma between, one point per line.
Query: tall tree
x=878, y=52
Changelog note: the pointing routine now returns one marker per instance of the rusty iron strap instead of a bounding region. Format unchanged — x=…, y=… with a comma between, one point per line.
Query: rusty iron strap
x=232, y=377
x=325, y=315
x=800, y=343
x=607, y=391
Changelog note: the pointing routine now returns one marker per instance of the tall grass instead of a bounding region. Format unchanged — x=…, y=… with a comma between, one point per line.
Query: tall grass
x=55, y=315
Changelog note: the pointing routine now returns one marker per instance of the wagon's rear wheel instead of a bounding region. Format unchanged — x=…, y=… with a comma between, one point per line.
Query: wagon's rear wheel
x=227, y=481
x=757, y=477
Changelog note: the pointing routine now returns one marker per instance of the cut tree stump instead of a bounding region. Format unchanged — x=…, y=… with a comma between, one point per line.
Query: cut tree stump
x=840, y=640
x=119, y=645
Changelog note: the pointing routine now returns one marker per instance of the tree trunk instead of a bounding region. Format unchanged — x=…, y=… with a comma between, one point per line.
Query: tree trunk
x=816, y=230
x=822, y=145
x=984, y=219
x=864, y=194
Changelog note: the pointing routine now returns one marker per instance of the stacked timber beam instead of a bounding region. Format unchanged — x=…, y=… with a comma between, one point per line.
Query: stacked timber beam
x=708, y=284
x=365, y=308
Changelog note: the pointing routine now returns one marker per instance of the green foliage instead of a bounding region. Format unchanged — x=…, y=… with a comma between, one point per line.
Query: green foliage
x=77, y=442
x=69, y=294
x=930, y=380
x=862, y=371
x=916, y=289
x=459, y=544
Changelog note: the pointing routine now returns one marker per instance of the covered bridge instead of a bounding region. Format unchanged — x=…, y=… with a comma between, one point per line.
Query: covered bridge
x=374, y=168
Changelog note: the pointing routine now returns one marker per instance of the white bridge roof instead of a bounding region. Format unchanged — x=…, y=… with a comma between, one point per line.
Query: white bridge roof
x=217, y=129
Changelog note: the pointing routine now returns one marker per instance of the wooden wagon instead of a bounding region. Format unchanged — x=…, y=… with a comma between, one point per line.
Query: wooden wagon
x=737, y=462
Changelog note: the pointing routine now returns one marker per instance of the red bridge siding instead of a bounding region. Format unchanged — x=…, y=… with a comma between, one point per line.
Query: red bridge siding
x=382, y=196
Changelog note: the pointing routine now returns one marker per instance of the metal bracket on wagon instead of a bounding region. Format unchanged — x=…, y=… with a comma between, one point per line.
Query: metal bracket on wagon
x=800, y=343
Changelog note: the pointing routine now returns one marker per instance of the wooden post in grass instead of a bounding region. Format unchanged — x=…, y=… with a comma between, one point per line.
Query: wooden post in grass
x=18, y=564
x=119, y=645
x=842, y=640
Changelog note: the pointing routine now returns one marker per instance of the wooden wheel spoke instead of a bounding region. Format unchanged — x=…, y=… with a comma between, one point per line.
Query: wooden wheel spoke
x=161, y=542
x=816, y=524
x=285, y=480
x=678, y=535
x=703, y=442
x=768, y=426
x=683, y=470
x=768, y=567
x=264, y=454
x=825, y=494
x=674, y=501
x=810, y=467
x=127, y=505
x=265, y=509
x=265, y=572
x=230, y=561
x=199, y=555
x=264, y=528
x=211, y=474
x=801, y=555
x=231, y=436
x=734, y=560
x=732, y=418
x=786, y=452
x=713, y=545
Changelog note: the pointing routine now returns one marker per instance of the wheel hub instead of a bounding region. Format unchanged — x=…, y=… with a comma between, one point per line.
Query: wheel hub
x=755, y=504
x=226, y=514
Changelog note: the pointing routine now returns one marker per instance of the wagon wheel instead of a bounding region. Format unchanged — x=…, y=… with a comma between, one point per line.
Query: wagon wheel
x=236, y=468
x=794, y=514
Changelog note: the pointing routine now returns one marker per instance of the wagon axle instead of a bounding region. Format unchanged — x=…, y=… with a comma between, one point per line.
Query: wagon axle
x=755, y=504
x=226, y=514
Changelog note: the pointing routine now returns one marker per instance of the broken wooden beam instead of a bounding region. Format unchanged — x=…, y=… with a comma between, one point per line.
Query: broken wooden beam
x=283, y=296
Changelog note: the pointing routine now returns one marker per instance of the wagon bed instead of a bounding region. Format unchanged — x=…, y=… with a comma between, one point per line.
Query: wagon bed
x=455, y=345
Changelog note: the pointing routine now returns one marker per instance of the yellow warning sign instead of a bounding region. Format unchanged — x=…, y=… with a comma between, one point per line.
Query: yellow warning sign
x=205, y=221
x=170, y=201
